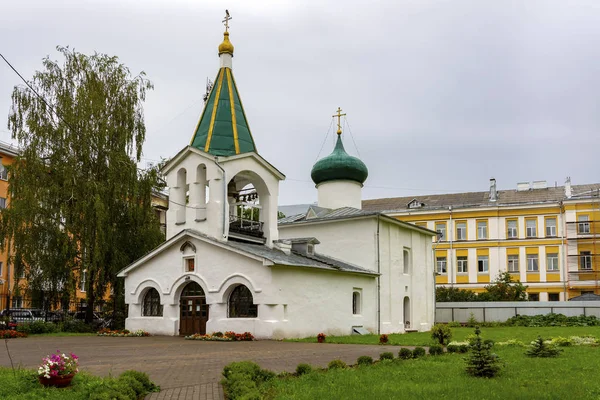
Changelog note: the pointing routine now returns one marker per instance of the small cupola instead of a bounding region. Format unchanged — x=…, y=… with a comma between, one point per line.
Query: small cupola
x=339, y=177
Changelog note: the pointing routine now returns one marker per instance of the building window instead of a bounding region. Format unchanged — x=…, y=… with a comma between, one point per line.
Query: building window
x=241, y=304
x=461, y=231
x=583, y=225
x=440, y=228
x=552, y=261
x=550, y=227
x=585, y=260
x=152, y=306
x=3, y=172
x=532, y=263
x=461, y=265
x=553, y=297
x=190, y=264
x=310, y=249
x=1, y=270
x=441, y=265
x=482, y=264
x=531, y=228
x=482, y=230
x=17, y=302
x=533, y=296
x=356, y=306
x=512, y=231
x=2, y=202
x=406, y=261
x=513, y=263
x=82, y=280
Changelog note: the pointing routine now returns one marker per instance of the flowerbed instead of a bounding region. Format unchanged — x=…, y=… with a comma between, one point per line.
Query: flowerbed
x=220, y=337
x=124, y=333
x=8, y=334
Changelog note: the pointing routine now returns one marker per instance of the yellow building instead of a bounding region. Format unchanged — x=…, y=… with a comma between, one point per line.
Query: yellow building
x=545, y=236
x=7, y=154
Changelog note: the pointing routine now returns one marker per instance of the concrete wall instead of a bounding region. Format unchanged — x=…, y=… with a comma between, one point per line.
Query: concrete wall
x=501, y=311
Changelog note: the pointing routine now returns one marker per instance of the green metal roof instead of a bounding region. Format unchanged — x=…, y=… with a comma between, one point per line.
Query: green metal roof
x=223, y=128
x=339, y=165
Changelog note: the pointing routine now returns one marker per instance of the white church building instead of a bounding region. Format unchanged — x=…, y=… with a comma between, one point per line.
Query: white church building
x=228, y=264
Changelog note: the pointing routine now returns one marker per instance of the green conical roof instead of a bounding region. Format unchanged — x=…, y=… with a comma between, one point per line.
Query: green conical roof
x=223, y=129
x=339, y=165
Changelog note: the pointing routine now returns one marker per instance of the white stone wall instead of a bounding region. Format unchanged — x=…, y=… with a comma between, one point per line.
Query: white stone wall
x=340, y=193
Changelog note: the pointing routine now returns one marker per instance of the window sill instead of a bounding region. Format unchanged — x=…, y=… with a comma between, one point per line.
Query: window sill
x=533, y=272
x=553, y=271
x=179, y=223
x=483, y=273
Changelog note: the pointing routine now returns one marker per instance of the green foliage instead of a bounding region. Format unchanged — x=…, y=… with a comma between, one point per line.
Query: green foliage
x=436, y=349
x=482, y=362
x=336, y=364
x=472, y=321
x=78, y=200
x=143, y=378
x=450, y=294
x=540, y=348
x=405, y=353
x=242, y=380
x=37, y=327
x=552, y=320
x=387, y=355
x=452, y=348
x=441, y=333
x=365, y=360
x=302, y=369
x=463, y=348
x=75, y=326
x=418, y=352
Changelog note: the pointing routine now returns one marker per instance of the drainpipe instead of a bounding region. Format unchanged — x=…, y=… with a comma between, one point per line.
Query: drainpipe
x=565, y=257
x=450, y=238
x=378, y=282
x=224, y=197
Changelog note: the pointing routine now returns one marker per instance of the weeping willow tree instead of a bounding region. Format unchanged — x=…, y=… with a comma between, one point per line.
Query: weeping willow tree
x=78, y=203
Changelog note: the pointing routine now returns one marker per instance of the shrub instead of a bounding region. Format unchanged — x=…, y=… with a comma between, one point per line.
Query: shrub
x=76, y=326
x=452, y=348
x=405, y=353
x=141, y=377
x=365, y=360
x=386, y=356
x=472, y=321
x=441, y=333
x=241, y=379
x=540, y=348
x=137, y=386
x=562, y=341
x=454, y=324
x=302, y=369
x=383, y=339
x=552, y=320
x=418, y=352
x=463, y=348
x=436, y=349
x=218, y=334
x=336, y=364
x=482, y=362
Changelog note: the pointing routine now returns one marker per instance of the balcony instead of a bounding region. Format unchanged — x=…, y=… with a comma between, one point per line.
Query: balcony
x=246, y=228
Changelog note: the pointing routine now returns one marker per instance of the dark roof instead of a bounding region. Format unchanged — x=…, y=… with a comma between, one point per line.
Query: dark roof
x=478, y=199
x=315, y=213
x=586, y=297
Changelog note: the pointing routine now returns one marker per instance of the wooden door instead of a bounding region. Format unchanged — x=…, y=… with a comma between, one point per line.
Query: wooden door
x=193, y=310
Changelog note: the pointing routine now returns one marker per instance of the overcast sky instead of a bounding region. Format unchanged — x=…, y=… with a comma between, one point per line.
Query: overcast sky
x=440, y=95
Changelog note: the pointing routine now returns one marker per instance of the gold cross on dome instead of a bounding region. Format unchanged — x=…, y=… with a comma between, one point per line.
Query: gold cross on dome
x=339, y=115
x=226, y=20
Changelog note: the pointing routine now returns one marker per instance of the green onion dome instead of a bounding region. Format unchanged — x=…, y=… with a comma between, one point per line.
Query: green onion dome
x=339, y=165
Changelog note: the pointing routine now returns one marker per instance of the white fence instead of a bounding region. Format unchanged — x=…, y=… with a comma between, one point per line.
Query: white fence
x=487, y=311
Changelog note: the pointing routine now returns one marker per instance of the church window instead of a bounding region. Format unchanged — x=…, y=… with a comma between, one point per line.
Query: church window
x=356, y=304
x=152, y=306
x=190, y=265
x=406, y=261
x=241, y=303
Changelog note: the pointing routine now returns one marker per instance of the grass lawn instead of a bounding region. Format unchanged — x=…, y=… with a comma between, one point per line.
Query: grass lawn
x=498, y=334
x=573, y=375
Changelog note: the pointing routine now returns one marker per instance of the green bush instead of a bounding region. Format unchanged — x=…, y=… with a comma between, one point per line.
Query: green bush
x=365, y=360
x=452, y=348
x=336, y=364
x=441, y=333
x=241, y=380
x=539, y=348
x=141, y=377
x=113, y=389
x=552, y=320
x=302, y=369
x=137, y=386
x=387, y=355
x=37, y=327
x=405, y=353
x=436, y=349
x=463, y=348
x=218, y=334
x=482, y=362
x=418, y=352
x=76, y=326
x=454, y=324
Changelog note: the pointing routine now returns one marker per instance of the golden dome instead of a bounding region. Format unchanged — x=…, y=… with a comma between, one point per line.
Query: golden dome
x=226, y=46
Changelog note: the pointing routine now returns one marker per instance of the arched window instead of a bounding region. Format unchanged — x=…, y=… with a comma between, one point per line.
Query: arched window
x=152, y=306
x=241, y=303
x=406, y=261
x=355, y=303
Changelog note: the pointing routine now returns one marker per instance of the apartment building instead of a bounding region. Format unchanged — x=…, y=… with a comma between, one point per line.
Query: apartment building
x=7, y=154
x=544, y=236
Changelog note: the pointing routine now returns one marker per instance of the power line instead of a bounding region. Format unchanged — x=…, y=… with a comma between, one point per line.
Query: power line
x=324, y=140
x=352, y=136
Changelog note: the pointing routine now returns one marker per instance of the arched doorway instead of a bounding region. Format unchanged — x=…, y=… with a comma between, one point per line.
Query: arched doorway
x=193, y=310
x=406, y=313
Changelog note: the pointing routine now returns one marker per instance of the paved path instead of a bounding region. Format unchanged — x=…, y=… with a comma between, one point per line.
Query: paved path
x=184, y=369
